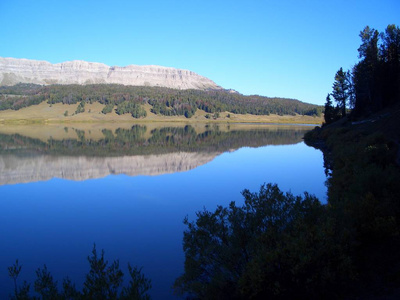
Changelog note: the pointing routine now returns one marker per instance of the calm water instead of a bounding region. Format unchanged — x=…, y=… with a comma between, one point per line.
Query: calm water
x=127, y=189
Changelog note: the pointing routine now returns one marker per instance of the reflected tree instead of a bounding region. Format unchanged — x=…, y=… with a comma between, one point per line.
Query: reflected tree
x=104, y=281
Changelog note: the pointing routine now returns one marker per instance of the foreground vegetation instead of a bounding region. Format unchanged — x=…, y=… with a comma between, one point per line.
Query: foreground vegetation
x=275, y=245
x=163, y=101
x=284, y=247
x=104, y=281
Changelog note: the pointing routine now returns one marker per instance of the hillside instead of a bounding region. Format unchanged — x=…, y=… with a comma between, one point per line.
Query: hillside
x=105, y=102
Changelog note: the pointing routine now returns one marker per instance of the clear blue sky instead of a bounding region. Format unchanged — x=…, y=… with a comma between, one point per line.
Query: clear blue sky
x=271, y=48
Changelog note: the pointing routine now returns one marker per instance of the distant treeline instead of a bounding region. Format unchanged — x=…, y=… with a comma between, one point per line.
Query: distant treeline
x=161, y=141
x=164, y=101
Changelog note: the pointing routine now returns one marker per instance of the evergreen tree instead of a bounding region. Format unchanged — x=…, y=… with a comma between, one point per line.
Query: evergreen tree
x=365, y=73
x=389, y=55
x=329, y=115
x=341, y=89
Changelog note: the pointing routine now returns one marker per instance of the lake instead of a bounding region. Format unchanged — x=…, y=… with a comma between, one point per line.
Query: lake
x=127, y=188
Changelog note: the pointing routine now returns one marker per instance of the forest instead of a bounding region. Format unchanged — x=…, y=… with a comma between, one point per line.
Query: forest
x=164, y=101
x=373, y=83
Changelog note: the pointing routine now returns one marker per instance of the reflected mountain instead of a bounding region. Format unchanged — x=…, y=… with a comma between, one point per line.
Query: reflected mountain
x=30, y=154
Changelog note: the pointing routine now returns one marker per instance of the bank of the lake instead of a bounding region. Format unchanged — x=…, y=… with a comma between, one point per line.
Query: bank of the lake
x=45, y=113
x=363, y=197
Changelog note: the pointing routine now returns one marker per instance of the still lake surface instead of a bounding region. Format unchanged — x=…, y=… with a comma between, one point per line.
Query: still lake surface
x=128, y=188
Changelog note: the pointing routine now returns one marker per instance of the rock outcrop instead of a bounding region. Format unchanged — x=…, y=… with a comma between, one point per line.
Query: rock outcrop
x=13, y=71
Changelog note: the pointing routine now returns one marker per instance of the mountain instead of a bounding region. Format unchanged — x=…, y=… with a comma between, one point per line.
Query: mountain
x=13, y=71
x=138, y=90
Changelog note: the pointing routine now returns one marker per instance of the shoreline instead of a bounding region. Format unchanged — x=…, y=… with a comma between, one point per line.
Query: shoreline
x=44, y=113
x=56, y=122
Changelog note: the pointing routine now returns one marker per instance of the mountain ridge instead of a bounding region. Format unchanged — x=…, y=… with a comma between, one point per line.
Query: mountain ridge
x=22, y=70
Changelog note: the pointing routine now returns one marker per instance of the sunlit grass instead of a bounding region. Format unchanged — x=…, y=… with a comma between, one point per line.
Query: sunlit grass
x=56, y=113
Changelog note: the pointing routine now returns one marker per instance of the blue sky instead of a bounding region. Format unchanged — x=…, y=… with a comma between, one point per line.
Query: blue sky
x=272, y=48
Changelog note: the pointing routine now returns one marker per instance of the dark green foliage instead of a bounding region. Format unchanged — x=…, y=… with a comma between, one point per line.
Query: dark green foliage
x=13, y=272
x=69, y=291
x=377, y=75
x=102, y=282
x=274, y=246
x=130, y=107
x=164, y=101
x=80, y=108
x=20, y=293
x=340, y=89
x=19, y=96
x=365, y=72
x=20, y=89
x=138, y=285
x=331, y=113
x=108, y=108
x=18, y=102
x=363, y=196
x=374, y=82
x=363, y=188
x=45, y=286
x=390, y=57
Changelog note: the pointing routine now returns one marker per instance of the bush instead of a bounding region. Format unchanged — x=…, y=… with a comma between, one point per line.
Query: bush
x=275, y=245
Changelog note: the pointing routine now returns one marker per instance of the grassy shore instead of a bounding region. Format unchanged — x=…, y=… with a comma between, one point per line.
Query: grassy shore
x=56, y=113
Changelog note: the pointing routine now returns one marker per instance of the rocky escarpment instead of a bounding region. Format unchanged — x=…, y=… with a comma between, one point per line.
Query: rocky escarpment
x=13, y=71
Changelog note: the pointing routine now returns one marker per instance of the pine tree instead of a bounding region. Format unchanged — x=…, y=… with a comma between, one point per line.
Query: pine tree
x=341, y=89
x=329, y=110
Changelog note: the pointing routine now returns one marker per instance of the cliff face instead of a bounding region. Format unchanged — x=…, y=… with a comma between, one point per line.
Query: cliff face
x=13, y=71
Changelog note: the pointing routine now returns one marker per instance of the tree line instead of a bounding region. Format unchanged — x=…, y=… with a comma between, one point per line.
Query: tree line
x=135, y=141
x=373, y=83
x=163, y=101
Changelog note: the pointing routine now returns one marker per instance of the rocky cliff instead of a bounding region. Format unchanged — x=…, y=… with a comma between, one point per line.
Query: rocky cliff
x=13, y=71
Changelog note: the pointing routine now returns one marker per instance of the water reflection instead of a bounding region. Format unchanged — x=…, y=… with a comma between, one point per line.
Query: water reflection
x=137, y=219
x=78, y=153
